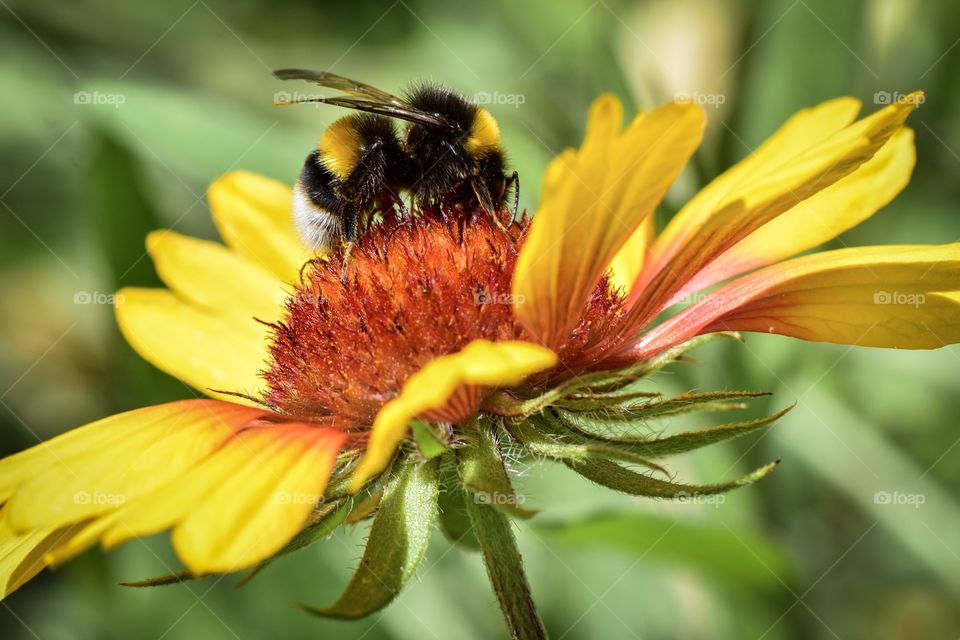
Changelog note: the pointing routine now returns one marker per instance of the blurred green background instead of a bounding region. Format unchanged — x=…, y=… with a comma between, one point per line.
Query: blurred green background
x=117, y=115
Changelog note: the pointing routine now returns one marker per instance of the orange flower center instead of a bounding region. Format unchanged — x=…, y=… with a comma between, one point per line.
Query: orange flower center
x=415, y=290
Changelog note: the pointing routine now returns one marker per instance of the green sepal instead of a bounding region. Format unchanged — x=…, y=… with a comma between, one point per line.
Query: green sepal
x=160, y=581
x=624, y=380
x=483, y=474
x=615, y=476
x=398, y=539
x=659, y=447
x=453, y=518
x=539, y=439
x=602, y=400
x=617, y=415
x=428, y=442
x=608, y=386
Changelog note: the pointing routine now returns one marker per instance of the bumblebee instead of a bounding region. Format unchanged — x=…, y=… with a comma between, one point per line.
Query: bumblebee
x=448, y=156
x=355, y=172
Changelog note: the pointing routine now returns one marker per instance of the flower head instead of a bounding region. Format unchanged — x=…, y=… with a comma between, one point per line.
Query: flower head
x=452, y=336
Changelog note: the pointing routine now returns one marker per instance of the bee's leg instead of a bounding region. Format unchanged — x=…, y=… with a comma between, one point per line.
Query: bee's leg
x=486, y=202
x=402, y=206
x=349, y=238
x=515, y=179
x=347, y=250
x=440, y=204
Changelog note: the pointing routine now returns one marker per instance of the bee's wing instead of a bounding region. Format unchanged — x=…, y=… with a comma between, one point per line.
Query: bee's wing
x=340, y=83
x=399, y=110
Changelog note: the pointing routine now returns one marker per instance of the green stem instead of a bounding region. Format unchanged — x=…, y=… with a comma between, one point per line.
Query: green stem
x=505, y=569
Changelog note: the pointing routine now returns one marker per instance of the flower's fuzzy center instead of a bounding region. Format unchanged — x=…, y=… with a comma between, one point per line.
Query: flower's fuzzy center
x=415, y=290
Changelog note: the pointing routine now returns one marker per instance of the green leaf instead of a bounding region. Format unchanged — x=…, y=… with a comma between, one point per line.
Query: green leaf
x=626, y=379
x=483, y=474
x=122, y=212
x=505, y=570
x=398, y=540
x=680, y=442
x=615, y=476
x=738, y=559
x=453, y=518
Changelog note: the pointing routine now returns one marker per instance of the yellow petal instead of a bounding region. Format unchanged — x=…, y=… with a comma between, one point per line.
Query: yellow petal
x=242, y=504
x=628, y=263
x=22, y=555
x=750, y=206
x=208, y=352
x=555, y=177
x=821, y=217
x=99, y=467
x=483, y=363
x=254, y=216
x=803, y=130
x=615, y=182
x=20, y=467
x=902, y=297
x=215, y=278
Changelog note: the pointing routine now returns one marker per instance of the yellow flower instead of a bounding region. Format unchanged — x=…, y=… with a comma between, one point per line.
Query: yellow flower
x=314, y=382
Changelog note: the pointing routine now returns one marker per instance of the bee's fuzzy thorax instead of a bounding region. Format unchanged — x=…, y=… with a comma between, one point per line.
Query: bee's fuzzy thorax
x=339, y=147
x=484, y=135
